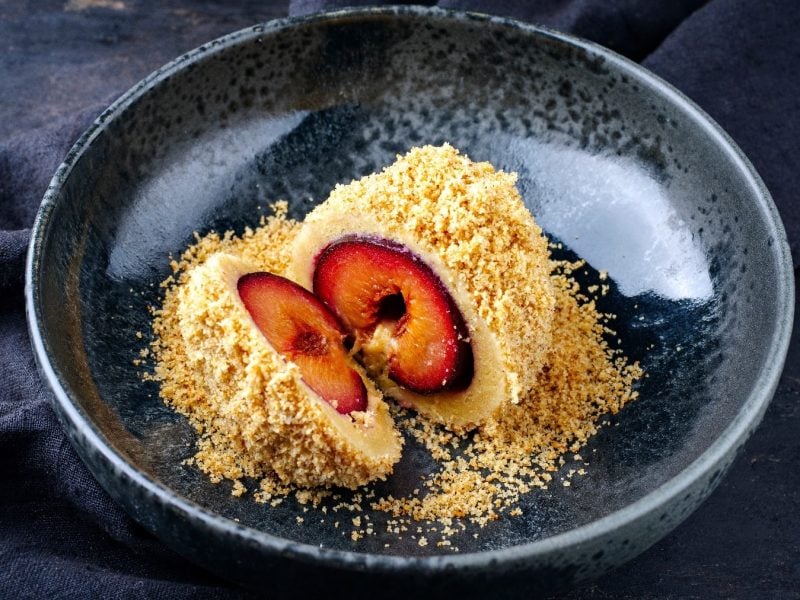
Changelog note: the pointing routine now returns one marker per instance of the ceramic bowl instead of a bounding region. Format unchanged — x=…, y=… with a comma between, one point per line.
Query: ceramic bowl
x=613, y=162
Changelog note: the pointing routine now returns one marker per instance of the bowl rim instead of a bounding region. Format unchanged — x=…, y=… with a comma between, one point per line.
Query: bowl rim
x=728, y=442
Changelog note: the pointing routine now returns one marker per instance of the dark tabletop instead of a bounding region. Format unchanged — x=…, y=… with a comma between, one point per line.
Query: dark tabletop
x=63, y=61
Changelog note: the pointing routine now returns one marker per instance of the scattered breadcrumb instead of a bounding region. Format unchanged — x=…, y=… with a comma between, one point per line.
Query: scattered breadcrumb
x=238, y=488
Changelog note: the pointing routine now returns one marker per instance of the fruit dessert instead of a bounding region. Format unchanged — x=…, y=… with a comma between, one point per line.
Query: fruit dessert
x=428, y=283
x=278, y=372
x=441, y=275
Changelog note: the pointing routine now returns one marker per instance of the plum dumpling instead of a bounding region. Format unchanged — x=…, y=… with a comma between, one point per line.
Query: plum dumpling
x=442, y=277
x=278, y=373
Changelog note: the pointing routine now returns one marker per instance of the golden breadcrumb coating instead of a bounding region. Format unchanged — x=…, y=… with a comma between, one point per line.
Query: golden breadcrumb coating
x=467, y=222
x=257, y=415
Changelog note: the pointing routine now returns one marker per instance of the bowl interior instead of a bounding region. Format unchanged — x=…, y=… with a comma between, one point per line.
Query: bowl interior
x=608, y=162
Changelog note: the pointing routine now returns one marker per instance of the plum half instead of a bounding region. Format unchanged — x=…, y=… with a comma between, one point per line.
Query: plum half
x=404, y=319
x=304, y=331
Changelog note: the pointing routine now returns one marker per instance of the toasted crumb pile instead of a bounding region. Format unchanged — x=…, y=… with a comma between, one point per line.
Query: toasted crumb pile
x=481, y=475
x=225, y=452
x=582, y=380
x=475, y=219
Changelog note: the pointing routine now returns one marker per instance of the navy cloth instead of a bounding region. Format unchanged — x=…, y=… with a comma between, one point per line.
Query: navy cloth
x=62, y=62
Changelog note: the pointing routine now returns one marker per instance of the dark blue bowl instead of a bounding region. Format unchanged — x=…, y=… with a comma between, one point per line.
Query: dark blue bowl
x=613, y=162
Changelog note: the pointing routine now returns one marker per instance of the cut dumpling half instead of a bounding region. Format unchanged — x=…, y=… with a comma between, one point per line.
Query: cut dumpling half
x=441, y=275
x=280, y=379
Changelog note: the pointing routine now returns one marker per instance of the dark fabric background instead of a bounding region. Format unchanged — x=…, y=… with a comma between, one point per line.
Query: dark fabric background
x=62, y=61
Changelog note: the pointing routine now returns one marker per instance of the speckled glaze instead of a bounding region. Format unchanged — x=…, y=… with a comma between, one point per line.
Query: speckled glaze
x=615, y=164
